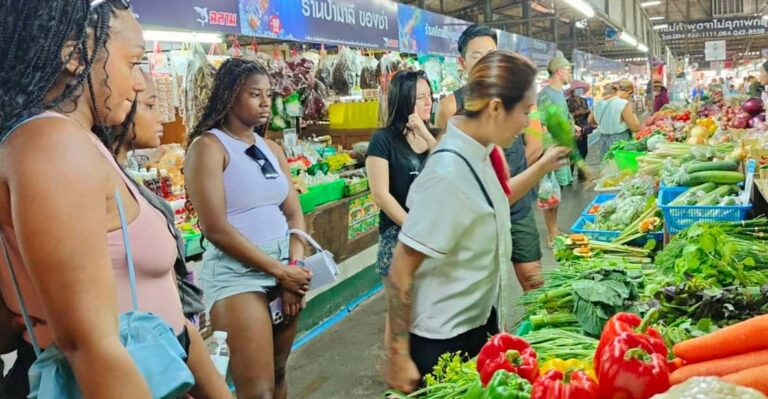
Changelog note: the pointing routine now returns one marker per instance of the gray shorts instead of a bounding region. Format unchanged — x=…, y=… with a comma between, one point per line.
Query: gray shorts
x=222, y=276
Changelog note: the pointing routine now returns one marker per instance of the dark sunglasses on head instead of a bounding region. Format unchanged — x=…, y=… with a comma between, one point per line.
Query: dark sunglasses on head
x=117, y=4
x=267, y=169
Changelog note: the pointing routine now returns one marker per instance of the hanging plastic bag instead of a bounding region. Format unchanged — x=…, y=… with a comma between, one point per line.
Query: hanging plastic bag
x=346, y=72
x=199, y=83
x=549, y=192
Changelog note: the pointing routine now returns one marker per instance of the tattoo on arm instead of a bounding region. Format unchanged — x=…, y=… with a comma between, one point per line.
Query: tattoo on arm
x=399, y=299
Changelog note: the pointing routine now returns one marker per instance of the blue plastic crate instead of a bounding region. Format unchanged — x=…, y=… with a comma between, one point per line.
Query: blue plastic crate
x=599, y=199
x=680, y=217
x=610, y=235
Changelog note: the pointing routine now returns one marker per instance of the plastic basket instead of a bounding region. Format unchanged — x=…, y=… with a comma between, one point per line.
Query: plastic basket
x=308, y=201
x=627, y=160
x=681, y=217
x=599, y=199
x=610, y=235
x=328, y=192
x=356, y=188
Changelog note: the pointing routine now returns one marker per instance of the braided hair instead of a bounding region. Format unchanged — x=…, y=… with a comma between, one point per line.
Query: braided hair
x=229, y=79
x=33, y=36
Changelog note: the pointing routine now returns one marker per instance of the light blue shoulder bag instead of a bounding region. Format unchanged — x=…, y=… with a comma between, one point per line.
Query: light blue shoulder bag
x=149, y=340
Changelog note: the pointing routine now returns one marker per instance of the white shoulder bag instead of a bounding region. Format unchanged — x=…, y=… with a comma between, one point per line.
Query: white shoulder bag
x=322, y=265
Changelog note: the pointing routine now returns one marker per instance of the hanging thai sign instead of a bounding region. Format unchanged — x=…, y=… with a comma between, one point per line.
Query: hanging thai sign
x=198, y=15
x=424, y=32
x=715, y=28
x=368, y=24
x=540, y=52
x=595, y=63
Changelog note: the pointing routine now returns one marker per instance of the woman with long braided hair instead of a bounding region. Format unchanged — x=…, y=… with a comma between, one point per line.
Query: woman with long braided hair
x=240, y=186
x=68, y=72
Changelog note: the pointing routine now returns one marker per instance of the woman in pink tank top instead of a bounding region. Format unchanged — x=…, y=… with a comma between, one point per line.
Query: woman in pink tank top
x=239, y=184
x=58, y=213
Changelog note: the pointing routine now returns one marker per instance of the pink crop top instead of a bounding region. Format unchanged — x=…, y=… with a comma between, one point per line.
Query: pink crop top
x=154, y=253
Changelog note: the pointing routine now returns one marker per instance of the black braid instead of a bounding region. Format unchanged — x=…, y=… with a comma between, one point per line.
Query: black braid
x=229, y=79
x=34, y=34
x=103, y=16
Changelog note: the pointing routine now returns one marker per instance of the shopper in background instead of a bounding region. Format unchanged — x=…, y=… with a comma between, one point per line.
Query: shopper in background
x=755, y=87
x=577, y=106
x=396, y=156
x=143, y=129
x=763, y=80
x=614, y=117
x=239, y=184
x=449, y=271
x=660, y=96
x=61, y=224
x=552, y=95
x=474, y=43
x=526, y=248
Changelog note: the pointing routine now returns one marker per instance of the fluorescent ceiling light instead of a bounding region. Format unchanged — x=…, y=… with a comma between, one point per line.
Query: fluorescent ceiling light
x=655, y=18
x=765, y=17
x=642, y=47
x=650, y=3
x=181, y=37
x=627, y=38
x=582, y=7
x=662, y=26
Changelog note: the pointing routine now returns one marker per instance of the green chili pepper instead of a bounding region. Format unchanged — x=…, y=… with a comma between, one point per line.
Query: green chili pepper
x=505, y=385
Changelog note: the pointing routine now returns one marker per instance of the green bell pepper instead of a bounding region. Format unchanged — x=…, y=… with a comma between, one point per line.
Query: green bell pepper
x=505, y=385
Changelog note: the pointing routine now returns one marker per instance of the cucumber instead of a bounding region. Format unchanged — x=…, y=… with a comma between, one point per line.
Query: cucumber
x=713, y=176
x=689, y=197
x=715, y=196
x=715, y=165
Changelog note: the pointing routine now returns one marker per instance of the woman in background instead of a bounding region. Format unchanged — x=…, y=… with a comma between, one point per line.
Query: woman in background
x=660, y=96
x=239, y=184
x=614, y=117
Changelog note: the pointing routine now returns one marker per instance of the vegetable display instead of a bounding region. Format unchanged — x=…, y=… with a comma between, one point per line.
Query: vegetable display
x=632, y=319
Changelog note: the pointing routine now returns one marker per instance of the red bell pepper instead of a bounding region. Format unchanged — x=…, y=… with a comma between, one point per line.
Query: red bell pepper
x=630, y=322
x=631, y=369
x=507, y=352
x=573, y=384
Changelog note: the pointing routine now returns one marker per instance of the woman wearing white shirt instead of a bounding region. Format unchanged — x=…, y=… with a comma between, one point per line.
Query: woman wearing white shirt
x=450, y=267
x=614, y=117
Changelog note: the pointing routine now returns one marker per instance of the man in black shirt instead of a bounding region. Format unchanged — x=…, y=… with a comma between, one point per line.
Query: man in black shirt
x=474, y=43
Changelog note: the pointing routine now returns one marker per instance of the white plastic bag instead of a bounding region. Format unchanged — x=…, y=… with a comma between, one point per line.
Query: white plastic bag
x=549, y=192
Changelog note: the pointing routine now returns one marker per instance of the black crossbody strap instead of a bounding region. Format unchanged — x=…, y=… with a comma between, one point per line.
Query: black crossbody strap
x=474, y=173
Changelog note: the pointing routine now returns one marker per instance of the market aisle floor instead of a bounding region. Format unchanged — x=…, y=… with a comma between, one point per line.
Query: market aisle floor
x=345, y=361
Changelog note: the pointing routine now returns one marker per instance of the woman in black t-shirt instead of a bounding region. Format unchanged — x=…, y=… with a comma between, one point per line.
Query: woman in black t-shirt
x=397, y=154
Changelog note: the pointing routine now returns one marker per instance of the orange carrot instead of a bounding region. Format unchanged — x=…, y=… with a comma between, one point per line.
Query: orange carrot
x=747, y=336
x=720, y=367
x=754, y=378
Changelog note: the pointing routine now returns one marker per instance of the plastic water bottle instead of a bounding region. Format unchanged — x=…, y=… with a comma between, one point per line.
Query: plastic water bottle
x=219, y=351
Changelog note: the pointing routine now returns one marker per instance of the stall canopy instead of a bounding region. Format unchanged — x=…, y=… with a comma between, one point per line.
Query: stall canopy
x=379, y=24
x=595, y=63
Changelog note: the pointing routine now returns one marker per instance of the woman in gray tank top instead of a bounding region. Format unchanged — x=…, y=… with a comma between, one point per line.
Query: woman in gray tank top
x=239, y=185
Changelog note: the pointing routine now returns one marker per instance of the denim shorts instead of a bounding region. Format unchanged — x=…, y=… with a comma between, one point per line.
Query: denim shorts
x=223, y=276
x=387, y=243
